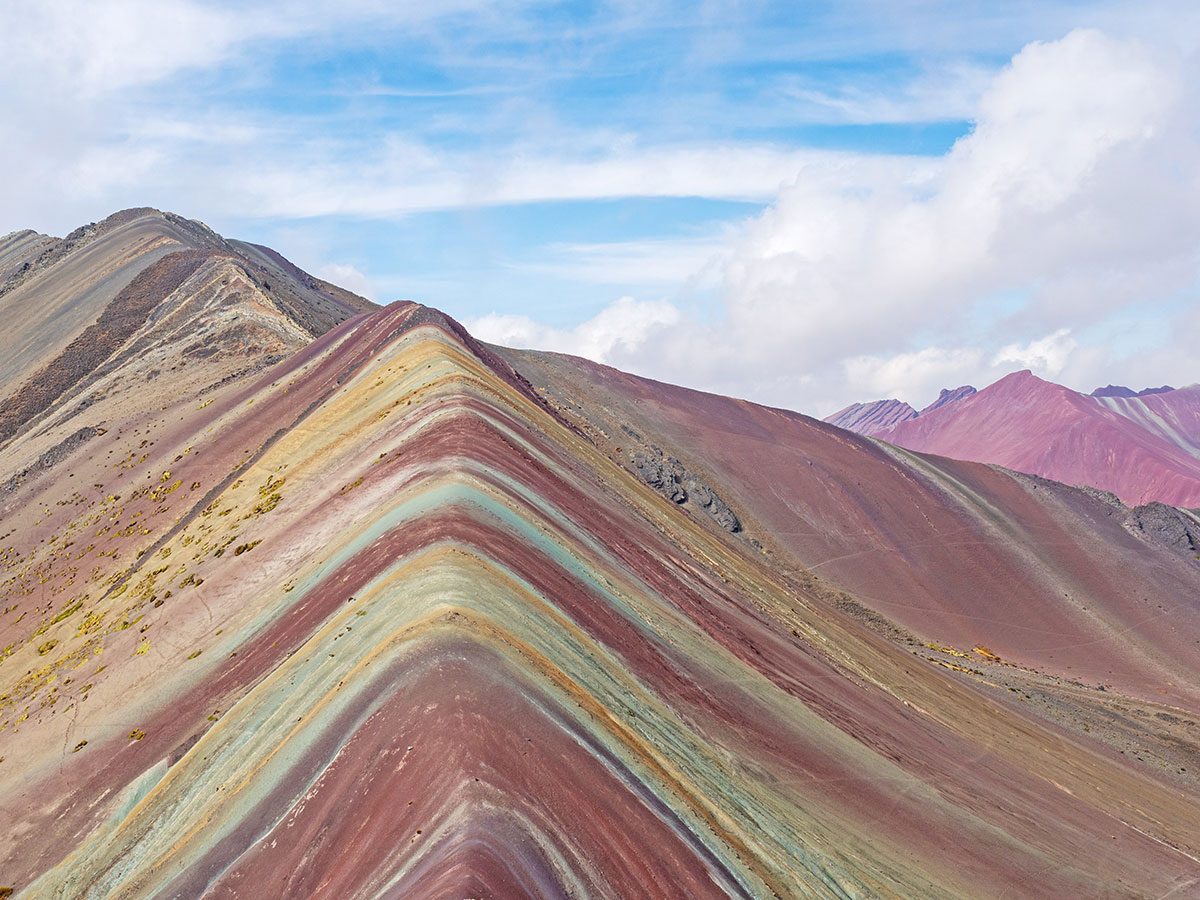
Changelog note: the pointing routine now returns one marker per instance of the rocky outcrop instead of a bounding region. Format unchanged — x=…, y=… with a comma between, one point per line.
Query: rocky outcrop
x=50, y=458
x=671, y=478
x=1176, y=528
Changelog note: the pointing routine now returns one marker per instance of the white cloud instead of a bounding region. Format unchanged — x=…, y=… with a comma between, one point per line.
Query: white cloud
x=918, y=376
x=672, y=262
x=1025, y=198
x=93, y=47
x=347, y=276
x=1080, y=185
x=945, y=93
x=620, y=327
x=404, y=177
x=913, y=375
x=1046, y=356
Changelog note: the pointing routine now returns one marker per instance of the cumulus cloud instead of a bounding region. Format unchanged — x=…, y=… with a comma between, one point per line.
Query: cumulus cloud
x=619, y=328
x=349, y=277
x=1026, y=199
x=916, y=374
x=1048, y=355
x=1078, y=188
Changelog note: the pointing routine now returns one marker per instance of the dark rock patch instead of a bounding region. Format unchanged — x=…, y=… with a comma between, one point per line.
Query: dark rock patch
x=671, y=478
x=120, y=319
x=50, y=458
x=1178, y=529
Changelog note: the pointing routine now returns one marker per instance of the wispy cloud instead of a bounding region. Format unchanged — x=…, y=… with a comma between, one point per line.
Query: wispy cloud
x=1072, y=182
x=951, y=92
x=1077, y=186
x=696, y=261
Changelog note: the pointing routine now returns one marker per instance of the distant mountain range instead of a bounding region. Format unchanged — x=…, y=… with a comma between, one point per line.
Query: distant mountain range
x=880, y=415
x=1142, y=446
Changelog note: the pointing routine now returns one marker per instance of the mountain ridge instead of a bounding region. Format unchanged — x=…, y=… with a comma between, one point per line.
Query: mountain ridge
x=262, y=306
x=1143, y=448
x=877, y=416
x=399, y=613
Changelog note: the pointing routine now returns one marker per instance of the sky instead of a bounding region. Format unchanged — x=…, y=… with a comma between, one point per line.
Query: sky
x=805, y=204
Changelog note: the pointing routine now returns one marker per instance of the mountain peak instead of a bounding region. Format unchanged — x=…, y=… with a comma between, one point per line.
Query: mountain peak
x=1020, y=376
x=949, y=395
x=1113, y=390
x=139, y=294
x=1120, y=390
x=872, y=418
x=1025, y=383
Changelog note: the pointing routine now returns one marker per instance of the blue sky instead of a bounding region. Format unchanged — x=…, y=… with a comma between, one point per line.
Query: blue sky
x=804, y=203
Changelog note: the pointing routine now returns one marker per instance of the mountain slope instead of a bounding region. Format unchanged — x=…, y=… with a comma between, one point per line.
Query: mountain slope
x=1172, y=415
x=1055, y=578
x=1142, y=449
x=52, y=289
x=129, y=306
x=946, y=396
x=395, y=617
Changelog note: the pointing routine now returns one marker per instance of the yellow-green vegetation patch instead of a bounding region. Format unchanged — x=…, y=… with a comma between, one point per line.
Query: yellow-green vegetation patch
x=91, y=623
x=951, y=651
x=68, y=612
x=162, y=490
x=270, y=485
x=33, y=681
x=270, y=497
x=224, y=545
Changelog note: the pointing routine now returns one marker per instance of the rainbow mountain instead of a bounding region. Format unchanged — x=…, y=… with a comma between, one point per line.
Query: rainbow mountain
x=308, y=598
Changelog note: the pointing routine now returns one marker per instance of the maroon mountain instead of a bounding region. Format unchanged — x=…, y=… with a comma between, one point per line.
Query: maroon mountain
x=1142, y=447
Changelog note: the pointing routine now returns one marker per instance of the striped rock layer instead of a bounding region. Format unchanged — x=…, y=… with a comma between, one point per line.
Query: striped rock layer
x=872, y=417
x=384, y=620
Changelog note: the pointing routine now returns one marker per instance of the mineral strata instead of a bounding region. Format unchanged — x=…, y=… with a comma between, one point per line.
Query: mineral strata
x=304, y=598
